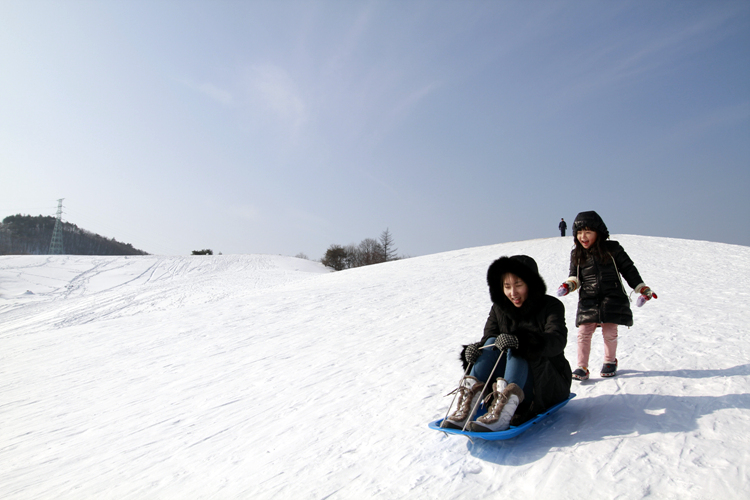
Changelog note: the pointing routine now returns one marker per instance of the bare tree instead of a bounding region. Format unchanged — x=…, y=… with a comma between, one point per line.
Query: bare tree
x=353, y=256
x=370, y=251
x=387, y=246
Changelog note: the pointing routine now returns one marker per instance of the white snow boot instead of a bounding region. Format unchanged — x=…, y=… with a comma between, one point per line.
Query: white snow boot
x=469, y=393
x=507, y=397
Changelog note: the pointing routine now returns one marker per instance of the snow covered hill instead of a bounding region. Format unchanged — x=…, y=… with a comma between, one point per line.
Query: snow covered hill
x=268, y=377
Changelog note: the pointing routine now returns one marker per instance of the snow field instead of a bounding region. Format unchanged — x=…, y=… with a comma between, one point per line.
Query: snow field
x=264, y=376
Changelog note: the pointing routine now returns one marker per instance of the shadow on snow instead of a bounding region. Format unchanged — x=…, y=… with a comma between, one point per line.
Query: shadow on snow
x=596, y=418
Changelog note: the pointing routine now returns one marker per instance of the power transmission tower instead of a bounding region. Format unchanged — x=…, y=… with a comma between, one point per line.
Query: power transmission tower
x=56, y=245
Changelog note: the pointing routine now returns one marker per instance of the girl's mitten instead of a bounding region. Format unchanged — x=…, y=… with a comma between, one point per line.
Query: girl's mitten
x=646, y=294
x=570, y=285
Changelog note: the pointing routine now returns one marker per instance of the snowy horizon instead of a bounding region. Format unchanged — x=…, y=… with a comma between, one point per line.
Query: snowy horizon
x=262, y=376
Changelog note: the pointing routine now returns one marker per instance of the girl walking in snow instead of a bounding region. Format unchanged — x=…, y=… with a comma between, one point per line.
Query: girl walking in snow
x=595, y=268
x=519, y=363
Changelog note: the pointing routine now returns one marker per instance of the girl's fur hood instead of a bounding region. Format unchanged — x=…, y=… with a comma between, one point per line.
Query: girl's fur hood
x=525, y=268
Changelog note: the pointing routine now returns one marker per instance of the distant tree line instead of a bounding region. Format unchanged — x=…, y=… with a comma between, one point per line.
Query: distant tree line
x=368, y=252
x=29, y=235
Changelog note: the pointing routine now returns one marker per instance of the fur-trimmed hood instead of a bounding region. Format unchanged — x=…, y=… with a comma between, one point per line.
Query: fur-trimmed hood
x=525, y=268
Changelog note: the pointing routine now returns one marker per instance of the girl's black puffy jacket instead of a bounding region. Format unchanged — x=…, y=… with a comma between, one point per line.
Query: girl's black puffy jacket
x=602, y=297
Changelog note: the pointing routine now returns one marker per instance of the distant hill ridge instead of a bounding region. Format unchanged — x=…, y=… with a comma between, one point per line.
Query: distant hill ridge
x=29, y=235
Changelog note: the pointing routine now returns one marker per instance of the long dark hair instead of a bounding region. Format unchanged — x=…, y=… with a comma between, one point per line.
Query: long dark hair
x=598, y=250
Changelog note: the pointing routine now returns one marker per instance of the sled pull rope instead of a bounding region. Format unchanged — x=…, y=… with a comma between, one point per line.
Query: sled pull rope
x=479, y=400
x=455, y=393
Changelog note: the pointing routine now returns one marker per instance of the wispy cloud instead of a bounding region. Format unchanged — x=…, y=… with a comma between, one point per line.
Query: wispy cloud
x=411, y=100
x=211, y=91
x=216, y=93
x=396, y=111
x=245, y=212
x=306, y=219
x=351, y=41
x=664, y=49
x=729, y=116
x=630, y=56
x=271, y=88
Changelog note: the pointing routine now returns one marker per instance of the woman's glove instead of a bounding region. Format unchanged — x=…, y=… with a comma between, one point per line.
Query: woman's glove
x=646, y=294
x=472, y=353
x=506, y=341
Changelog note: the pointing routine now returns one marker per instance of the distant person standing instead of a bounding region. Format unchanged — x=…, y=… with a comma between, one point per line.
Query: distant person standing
x=562, y=227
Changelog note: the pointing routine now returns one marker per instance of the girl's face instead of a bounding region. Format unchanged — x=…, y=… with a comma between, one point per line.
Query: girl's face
x=515, y=289
x=587, y=237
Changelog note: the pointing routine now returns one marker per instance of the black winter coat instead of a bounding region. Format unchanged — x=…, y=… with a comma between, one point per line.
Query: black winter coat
x=542, y=336
x=602, y=297
x=539, y=325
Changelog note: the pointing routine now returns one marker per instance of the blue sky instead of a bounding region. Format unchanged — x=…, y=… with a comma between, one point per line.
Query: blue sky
x=284, y=127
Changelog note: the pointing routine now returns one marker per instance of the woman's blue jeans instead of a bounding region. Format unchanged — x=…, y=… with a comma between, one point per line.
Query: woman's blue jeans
x=511, y=368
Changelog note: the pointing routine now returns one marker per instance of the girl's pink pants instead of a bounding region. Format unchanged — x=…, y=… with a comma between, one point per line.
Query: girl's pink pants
x=585, y=331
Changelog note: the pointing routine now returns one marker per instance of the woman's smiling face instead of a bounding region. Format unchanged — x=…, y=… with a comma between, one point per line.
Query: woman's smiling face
x=515, y=289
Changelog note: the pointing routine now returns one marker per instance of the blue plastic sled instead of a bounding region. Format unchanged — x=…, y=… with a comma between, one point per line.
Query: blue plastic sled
x=508, y=434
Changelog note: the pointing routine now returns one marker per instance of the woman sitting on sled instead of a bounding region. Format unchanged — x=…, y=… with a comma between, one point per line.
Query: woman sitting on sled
x=520, y=355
